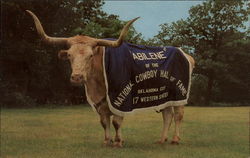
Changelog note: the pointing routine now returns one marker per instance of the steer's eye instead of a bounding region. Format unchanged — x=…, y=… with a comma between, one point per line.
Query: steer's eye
x=68, y=55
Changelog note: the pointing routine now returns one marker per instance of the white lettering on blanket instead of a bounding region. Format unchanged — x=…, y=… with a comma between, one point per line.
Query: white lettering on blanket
x=149, y=56
x=164, y=74
x=123, y=94
x=145, y=75
x=150, y=90
x=181, y=87
x=154, y=97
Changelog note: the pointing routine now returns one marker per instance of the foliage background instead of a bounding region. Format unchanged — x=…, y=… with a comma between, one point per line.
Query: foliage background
x=31, y=74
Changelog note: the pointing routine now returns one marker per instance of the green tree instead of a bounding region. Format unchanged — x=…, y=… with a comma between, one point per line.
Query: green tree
x=29, y=69
x=234, y=85
x=206, y=33
x=108, y=26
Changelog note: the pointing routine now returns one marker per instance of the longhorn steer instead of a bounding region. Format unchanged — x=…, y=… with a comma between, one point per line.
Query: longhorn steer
x=85, y=55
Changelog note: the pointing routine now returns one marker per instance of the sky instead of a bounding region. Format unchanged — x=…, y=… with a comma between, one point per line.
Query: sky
x=151, y=13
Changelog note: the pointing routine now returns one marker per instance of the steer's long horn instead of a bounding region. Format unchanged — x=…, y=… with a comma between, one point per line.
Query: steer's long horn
x=118, y=42
x=44, y=36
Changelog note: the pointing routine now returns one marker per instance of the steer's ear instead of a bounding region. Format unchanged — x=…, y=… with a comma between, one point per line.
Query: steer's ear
x=63, y=54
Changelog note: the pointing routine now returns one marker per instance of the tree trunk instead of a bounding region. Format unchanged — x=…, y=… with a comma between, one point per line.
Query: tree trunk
x=209, y=90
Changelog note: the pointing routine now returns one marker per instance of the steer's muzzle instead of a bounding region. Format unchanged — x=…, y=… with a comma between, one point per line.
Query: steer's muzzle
x=76, y=79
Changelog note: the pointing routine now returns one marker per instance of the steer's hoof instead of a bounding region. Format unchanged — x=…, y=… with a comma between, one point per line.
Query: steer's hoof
x=175, y=140
x=118, y=144
x=175, y=143
x=108, y=143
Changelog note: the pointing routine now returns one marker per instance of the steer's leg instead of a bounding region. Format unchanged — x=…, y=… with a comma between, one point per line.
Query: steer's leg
x=117, y=122
x=178, y=116
x=167, y=115
x=105, y=121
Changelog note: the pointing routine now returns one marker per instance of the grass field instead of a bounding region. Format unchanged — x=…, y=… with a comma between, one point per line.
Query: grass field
x=75, y=132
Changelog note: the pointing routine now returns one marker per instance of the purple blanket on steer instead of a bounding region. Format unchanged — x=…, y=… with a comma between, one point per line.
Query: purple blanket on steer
x=140, y=77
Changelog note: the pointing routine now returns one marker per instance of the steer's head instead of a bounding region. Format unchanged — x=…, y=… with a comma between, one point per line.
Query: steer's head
x=81, y=49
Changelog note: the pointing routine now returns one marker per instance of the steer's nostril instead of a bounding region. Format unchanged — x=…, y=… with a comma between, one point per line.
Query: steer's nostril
x=72, y=77
x=77, y=78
